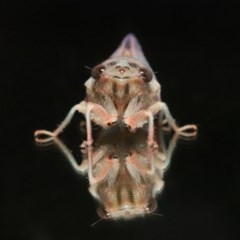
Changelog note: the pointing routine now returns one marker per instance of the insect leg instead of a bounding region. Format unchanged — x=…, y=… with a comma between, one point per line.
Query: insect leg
x=99, y=115
x=133, y=163
x=37, y=134
x=96, y=113
x=138, y=120
x=171, y=121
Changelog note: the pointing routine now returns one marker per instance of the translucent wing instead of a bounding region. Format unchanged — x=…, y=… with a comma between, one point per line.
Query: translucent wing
x=130, y=47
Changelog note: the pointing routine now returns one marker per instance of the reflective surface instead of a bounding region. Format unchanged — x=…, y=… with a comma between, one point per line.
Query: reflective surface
x=125, y=175
x=45, y=47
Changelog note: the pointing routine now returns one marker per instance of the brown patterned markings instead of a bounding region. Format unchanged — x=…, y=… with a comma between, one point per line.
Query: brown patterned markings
x=126, y=89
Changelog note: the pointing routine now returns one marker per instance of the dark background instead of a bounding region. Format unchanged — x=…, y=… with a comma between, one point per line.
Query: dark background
x=194, y=48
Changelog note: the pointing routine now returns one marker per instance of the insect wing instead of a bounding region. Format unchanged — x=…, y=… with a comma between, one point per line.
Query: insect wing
x=130, y=47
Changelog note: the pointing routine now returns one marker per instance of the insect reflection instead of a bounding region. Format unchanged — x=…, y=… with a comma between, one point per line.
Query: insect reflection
x=125, y=175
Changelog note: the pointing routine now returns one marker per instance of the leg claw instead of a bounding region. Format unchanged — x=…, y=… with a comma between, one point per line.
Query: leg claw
x=86, y=144
x=40, y=136
x=152, y=144
x=109, y=124
x=131, y=126
x=183, y=130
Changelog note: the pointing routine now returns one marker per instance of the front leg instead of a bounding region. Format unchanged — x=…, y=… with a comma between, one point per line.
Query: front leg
x=143, y=116
x=140, y=118
x=100, y=116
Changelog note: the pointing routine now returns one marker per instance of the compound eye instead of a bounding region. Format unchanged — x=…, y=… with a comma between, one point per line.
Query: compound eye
x=97, y=71
x=102, y=213
x=152, y=205
x=146, y=74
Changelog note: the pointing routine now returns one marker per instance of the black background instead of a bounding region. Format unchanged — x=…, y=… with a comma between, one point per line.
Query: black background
x=193, y=47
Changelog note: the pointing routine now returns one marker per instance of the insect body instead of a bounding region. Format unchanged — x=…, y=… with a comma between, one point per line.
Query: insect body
x=122, y=90
x=123, y=96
